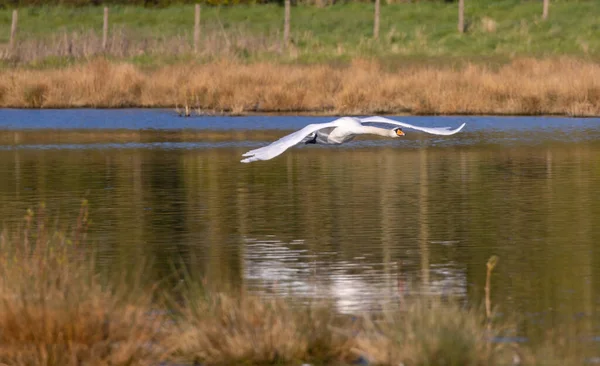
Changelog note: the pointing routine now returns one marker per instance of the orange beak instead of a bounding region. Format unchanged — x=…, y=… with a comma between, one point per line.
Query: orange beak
x=399, y=132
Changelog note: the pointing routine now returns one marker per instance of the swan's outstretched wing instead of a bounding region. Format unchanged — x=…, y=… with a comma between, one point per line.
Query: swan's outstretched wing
x=278, y=147
x=432, y=130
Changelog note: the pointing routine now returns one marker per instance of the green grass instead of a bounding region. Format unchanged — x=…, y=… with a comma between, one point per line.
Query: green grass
x=338, y=32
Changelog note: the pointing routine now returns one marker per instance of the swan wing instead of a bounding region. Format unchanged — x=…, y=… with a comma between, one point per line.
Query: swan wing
x=432, y=130
x=279, y=146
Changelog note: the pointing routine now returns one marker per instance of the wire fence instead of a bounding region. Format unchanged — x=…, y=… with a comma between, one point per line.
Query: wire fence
x=116, y=43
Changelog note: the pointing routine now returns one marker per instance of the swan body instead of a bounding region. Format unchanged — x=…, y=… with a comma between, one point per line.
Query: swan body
x=337, y=132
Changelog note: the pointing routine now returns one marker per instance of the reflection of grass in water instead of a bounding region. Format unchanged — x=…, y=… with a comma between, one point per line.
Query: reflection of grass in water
x=57, y=310
x=22, y=137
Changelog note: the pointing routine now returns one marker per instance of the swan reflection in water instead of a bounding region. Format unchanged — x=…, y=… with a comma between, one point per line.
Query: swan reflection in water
x=273, y=267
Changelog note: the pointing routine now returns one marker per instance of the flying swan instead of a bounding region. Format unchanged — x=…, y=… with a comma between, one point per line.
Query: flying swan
x=337, y=132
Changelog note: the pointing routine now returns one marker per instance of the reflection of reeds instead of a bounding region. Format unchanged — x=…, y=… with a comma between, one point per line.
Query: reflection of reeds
x=27, y=137
x=524, y=86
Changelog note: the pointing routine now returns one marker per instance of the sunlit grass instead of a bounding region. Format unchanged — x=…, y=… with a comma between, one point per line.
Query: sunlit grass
x=234, y=330
x=51, y=36
x=525, y=86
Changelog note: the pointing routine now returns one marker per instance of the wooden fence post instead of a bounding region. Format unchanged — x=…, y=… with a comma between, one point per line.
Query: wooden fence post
x=286, y=23
x=545, y=11
x=376, y=22
x=105, y=29
x=13, y=29
x=197, y=28
x=461, y=16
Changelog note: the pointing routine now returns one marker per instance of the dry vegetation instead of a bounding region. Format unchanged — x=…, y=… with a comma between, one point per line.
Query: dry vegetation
x=232, y=330
x=57, y=310
x=563, y=86
x=54, y=309
x=121, y=44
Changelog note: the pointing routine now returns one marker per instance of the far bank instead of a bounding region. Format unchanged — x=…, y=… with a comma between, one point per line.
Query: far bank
x=523, y=86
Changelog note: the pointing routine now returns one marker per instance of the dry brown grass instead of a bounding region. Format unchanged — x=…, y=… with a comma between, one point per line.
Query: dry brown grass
x=123, y=43
x=426, y=331
x=431, y=332
x=525, y=86
x=227, y=329
x=54, y=310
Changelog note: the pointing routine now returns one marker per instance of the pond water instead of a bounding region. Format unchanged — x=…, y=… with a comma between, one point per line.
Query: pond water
x=361, y=224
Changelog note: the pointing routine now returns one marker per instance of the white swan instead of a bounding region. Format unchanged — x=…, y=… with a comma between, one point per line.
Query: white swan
x=337, y=132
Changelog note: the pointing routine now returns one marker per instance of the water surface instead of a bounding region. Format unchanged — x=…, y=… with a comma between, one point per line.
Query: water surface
x=360, y=224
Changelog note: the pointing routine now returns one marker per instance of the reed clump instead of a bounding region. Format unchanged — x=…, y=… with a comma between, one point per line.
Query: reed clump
x=430, y=332
x=55, y=310
x=226, y=329
x=426, y=331
x=563, y=86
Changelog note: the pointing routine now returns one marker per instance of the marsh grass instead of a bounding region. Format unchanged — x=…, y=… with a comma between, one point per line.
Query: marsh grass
x=234, y=327
x=57, y=309
x=526, y=86
x=227, y=329
x=433, y=332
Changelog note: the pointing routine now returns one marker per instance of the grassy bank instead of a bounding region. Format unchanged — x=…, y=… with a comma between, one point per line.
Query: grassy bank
x=561, y=86
x=509, y=61
x=55, y=36
x=59, y=307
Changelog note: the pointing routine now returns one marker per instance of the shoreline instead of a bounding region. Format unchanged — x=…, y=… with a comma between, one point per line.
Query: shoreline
x=565, y=86
x=299, y=113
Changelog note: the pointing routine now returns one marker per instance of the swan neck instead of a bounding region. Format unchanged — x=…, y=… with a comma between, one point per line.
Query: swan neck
x=375, y=130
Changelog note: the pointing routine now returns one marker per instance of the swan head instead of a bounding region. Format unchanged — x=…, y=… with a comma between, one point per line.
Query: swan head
x=397, y=132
